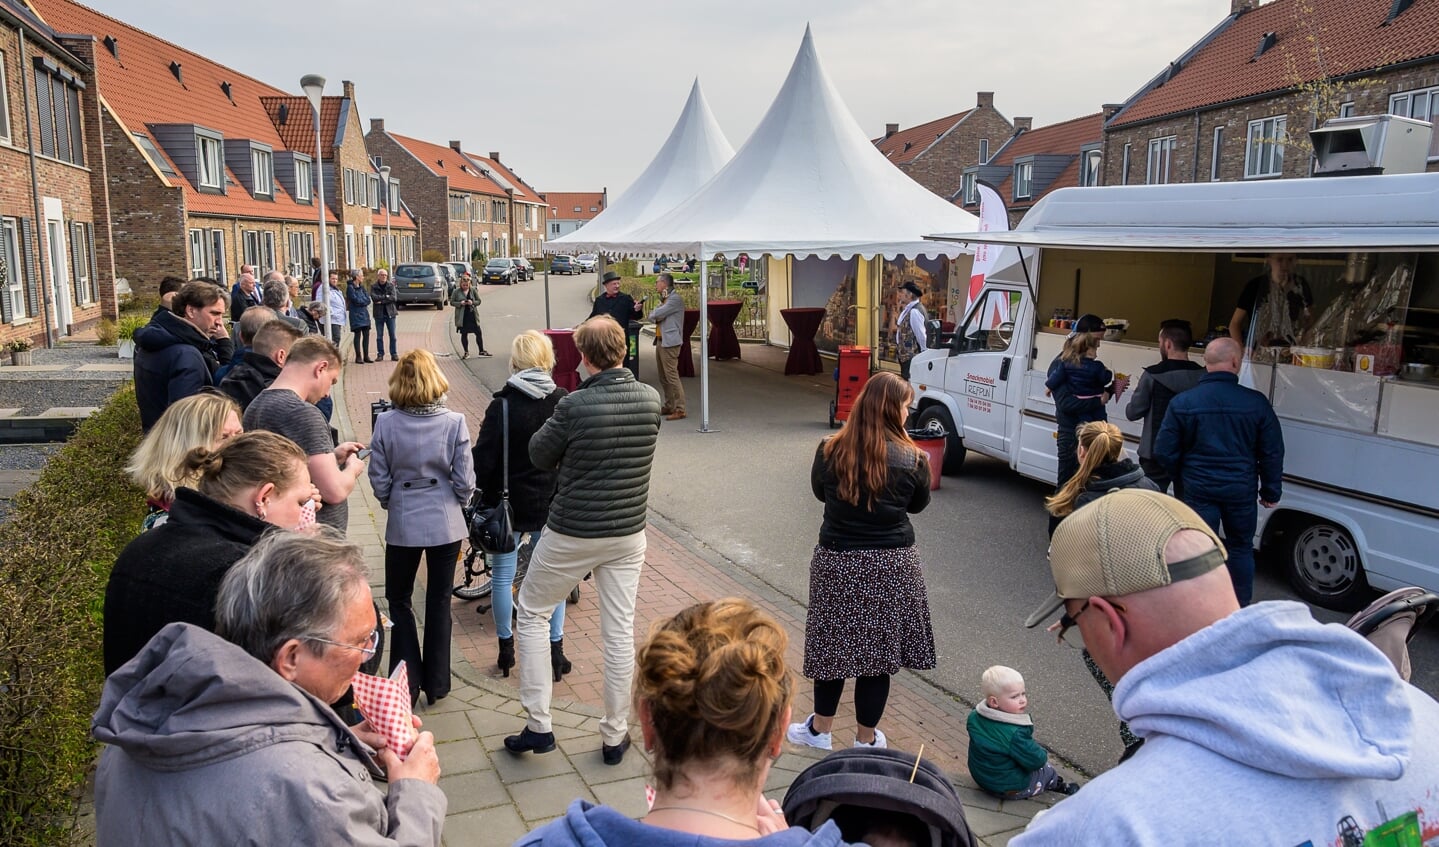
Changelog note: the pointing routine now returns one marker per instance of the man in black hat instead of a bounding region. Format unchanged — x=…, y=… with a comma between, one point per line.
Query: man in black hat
x=623, y=308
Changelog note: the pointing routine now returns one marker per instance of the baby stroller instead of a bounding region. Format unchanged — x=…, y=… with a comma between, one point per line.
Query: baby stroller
x=1391, y=621
x=869, y=792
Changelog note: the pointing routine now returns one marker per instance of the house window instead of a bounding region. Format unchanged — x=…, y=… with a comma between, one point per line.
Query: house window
x=362, y=197
x=554, y=229
x=349, y=186
x=983, y=150
x=251, y=241
x=215, y=263
x=350, y=258
x=1124, y=165
x=1023, y=180
x=13, y=269
x=197, y=253
x=330, y=248
x=4, y=104
x=392, y=197
x=1161, y=153
x=262, y=163
x=1346, y=110
x=1264, y=153
x=1214, y=153
x=303, y=176
x=374, y=193
x=80, y=263
x=1089, y=175
x=153, y=152
x=969, y=183
x=579, y=210
x=57, y=103
x=370, y=254
x=1423, y=105
x=267, y=257
x=211, y=162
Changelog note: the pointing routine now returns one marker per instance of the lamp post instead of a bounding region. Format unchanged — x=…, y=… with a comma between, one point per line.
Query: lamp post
x=389, y=252
x=314, y=87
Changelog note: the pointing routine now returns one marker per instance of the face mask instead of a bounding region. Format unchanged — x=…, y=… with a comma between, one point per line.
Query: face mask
x=307, y=515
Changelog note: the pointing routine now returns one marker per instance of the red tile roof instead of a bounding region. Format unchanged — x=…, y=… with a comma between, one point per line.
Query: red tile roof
x=562, y=204
x=906, y=145
x=1352, y=35
x=398, y=220
x=1061, y=139
x=523, y=191
x=447, y=162
x=141, y=91
x=298, y=131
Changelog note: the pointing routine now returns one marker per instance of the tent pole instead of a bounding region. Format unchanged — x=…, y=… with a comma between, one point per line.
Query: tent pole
x=704, y=345
x=548, y=324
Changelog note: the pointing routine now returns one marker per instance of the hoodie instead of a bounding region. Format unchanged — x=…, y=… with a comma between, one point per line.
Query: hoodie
x=1158, y=384
x=588, y=825
x=209, y=746
x=1266, y=727
x=173, y=360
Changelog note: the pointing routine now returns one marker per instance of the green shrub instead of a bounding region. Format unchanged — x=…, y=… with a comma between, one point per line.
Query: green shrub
x=434, y=256
x=56, y=552
x=129, y=322
x=140, y=303
x=106, y=333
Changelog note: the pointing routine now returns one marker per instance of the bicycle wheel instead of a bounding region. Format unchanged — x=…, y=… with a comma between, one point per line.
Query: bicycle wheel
x=475, y=577
x=574, y=595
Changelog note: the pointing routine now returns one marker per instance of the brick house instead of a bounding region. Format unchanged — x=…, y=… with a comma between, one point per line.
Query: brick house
x=1034, y=162
x=56, y=269
x=570, y=210
x=353, y=190
x=1223, y=109
x=936, y=153
x=460, y=208
x=199, y=180
x=528, y=212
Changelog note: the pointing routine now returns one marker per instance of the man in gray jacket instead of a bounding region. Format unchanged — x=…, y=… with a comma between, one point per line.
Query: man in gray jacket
x=1158, y=384
x=601, y=439
x=669, y=320
x=226, y=737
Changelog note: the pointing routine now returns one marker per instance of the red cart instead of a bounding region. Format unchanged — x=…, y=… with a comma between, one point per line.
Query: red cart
x=849, y=379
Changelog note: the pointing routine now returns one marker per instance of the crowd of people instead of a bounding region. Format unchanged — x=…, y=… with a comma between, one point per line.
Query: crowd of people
x=237, y=619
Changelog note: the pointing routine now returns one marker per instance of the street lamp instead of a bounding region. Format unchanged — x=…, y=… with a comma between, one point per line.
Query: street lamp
x=389, y=250
x=314, y=87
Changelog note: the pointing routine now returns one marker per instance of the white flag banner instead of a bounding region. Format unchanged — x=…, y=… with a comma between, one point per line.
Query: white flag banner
x=992, y=218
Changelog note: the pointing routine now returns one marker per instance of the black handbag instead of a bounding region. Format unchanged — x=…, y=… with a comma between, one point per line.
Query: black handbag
x=492, y=528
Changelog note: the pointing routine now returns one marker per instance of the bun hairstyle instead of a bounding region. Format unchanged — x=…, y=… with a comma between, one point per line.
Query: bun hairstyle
x=244, y=462
x=1103, y=443
x=717, y=688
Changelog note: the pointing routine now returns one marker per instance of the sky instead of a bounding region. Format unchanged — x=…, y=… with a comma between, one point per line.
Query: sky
x=578, y=95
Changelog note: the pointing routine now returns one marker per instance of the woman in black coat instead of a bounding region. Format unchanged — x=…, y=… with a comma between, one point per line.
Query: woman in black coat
x=172, y=573
x=531, y=395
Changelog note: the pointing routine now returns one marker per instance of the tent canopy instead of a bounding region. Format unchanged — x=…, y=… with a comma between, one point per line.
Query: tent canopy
x=808, y=182
x=694, y=152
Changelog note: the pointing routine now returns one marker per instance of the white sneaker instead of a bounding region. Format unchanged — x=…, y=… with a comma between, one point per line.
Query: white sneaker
x=799, y=733
x=880, y=741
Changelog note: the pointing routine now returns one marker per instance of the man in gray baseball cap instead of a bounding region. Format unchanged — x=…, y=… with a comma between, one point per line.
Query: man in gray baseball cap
x=1259, y=721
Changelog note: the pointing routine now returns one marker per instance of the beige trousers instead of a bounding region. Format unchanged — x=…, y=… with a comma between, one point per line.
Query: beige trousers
x=668, y=361
x=559, y=563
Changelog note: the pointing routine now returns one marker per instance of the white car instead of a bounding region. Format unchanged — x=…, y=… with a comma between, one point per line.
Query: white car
x=587, y=262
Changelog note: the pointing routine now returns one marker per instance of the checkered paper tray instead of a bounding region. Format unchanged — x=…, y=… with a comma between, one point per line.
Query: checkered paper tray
x=385, y=703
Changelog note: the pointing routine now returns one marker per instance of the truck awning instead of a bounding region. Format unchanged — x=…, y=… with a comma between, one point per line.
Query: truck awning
x=1191, y=239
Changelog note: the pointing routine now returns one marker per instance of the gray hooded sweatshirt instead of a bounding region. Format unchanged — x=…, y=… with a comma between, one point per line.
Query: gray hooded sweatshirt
x=209, y=746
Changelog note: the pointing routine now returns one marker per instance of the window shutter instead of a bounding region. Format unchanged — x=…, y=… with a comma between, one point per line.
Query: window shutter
x=5, y=271
x=78, y=270
x=62, y=119
x=77, y=145
x=47, y=115
x=32, y=267
x=94, y=278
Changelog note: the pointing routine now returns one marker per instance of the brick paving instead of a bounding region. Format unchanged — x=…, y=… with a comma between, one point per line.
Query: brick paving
x=494, y=797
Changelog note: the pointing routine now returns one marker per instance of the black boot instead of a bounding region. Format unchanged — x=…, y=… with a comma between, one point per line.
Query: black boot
x=507, y=655
x=558, y=661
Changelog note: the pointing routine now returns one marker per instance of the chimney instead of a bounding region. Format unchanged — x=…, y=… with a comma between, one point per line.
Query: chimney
x=455, y=145
x=1239, y=7
x=986, y=98
x=890, y=129
x=1109, y=110
x=494, y=156
x=349, y=89
x=377, y=124
x=1023, y=124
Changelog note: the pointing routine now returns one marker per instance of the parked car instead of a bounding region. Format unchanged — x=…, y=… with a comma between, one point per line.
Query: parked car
x=451, y=280
x=523, y=267
x=563, y=265
x=499, y=272
x=421, y=282
x=462, y=270
x=587, y=262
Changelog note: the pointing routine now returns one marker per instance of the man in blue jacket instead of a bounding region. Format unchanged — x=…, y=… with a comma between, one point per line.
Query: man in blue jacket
x=178, y=352
x=1222, y=441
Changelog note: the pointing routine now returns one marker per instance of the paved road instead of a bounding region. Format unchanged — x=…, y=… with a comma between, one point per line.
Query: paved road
x=744, y=491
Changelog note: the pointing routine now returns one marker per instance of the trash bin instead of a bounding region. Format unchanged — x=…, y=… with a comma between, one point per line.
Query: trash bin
x=931, y=440
x=632, y=348
x=849, y=378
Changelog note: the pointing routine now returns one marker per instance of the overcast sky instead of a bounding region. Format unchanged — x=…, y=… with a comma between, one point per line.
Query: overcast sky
x=578, y=95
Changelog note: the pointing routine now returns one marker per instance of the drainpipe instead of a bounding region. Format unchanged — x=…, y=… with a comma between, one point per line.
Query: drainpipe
x=1195, y=176
x=42, y=234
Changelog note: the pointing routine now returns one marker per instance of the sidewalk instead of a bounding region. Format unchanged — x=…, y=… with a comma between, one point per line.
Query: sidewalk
x=494, y=796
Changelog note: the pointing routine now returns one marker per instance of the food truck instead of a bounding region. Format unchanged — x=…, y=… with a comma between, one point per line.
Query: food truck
x=1355, y=388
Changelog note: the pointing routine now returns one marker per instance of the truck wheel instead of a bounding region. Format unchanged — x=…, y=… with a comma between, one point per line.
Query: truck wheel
x=1324, y=567
x=953, y=444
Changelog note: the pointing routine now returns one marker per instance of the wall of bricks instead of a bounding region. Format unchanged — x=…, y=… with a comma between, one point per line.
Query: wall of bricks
x=940, y=167
x=149, y=225
x=352, y=154
x=426, y=194
x=1194, y=141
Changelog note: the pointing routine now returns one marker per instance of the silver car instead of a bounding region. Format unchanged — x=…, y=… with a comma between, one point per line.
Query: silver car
x=421, y=282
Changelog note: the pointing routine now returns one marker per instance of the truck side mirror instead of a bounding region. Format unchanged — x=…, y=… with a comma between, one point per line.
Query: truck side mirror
x=933, y=330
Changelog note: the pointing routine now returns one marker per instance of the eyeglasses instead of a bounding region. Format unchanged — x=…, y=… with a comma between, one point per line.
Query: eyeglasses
x=371, y=644
x=1068, y=622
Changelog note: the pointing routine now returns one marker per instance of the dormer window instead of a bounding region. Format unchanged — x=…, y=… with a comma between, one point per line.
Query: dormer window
x=304, y=174
x=262, y=172
x=1023, y=180
x=211, y=161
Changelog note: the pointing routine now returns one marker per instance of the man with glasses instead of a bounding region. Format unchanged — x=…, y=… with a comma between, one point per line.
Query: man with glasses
x=1259, y=723
x=217, y=736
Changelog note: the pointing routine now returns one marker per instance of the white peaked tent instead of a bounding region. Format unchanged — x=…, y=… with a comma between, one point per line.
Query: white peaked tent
x=694, y=152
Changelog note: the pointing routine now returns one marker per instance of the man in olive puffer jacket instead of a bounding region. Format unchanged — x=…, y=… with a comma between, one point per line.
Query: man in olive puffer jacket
x=601, y=439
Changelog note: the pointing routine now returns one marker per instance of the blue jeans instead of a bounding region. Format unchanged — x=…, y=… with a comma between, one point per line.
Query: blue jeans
x=383, y=323
x=1239, y=519
x=502, y=572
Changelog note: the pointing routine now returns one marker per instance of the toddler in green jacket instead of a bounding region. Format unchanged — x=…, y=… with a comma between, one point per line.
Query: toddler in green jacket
x=1003, y=756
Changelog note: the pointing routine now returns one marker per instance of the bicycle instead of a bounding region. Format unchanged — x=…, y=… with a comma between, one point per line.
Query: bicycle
x=476, y=577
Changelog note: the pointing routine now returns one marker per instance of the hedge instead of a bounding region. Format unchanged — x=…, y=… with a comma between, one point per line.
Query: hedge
x=56, y=552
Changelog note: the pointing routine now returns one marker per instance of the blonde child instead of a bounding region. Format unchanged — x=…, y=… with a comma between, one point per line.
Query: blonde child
x=1003, y=756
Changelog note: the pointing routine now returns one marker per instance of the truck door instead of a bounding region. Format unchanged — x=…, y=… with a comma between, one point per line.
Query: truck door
x=980, y=371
